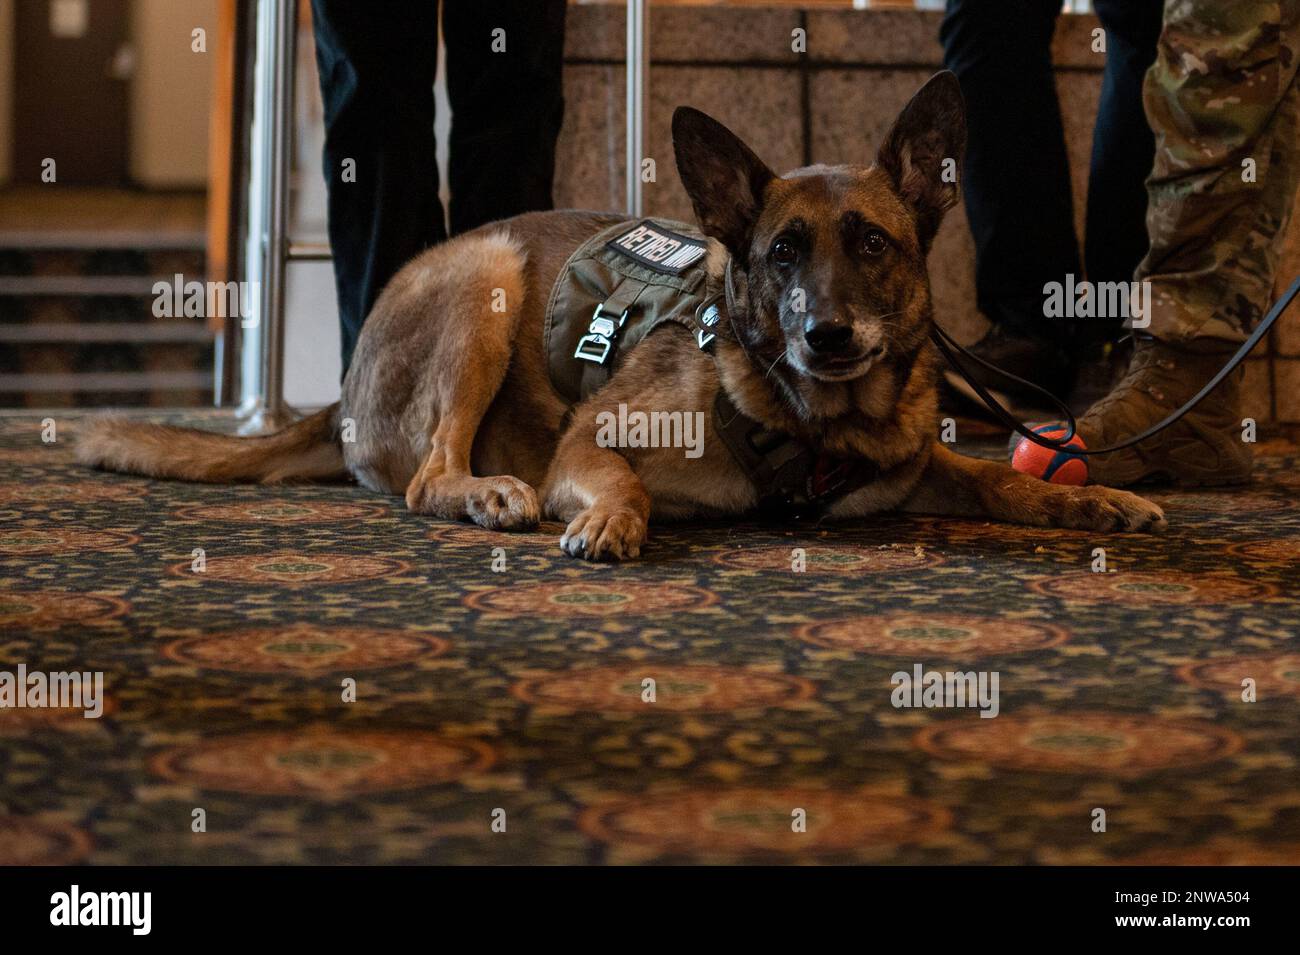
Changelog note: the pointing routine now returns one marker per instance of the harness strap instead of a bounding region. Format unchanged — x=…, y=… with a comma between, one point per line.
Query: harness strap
x=598, y=349
x=793, y=481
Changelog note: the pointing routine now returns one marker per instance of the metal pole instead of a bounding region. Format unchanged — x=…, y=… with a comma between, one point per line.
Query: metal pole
x=277, y=238
x=277, y=47
x=638, y=55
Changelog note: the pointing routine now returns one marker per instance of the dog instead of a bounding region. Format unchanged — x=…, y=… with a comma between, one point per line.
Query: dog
x=826, y=342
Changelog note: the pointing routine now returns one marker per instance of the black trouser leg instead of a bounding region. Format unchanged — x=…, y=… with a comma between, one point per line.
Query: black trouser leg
x=1017, y=177
x=507, y=106
x=377, y=63
x=1123, y=146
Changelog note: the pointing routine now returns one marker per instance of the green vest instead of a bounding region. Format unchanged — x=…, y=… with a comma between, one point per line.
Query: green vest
x=615, y=289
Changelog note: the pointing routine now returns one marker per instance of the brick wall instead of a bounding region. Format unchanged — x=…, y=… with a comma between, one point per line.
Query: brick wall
x=831, y=105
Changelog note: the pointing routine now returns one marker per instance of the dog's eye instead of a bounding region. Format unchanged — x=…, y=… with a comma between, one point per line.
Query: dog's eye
x=873, y=242
x=784, y=253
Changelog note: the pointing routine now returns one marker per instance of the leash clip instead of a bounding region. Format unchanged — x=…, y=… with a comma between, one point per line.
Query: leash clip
x=595, y=346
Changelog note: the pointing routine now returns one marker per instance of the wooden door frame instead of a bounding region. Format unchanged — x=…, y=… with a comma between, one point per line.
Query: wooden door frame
x=228, y=162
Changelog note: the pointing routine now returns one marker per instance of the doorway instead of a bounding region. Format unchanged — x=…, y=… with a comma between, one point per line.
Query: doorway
x=74, y=62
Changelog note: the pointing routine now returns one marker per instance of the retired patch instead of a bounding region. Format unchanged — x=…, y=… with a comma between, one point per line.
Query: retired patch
x=655, y=247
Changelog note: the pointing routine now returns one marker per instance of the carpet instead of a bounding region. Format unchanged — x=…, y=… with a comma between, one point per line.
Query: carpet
x=309, y=674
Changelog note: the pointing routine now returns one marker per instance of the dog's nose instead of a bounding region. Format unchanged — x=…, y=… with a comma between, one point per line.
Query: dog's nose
x=825, y=336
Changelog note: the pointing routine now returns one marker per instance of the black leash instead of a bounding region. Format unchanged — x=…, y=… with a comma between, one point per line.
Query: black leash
x=950, y=349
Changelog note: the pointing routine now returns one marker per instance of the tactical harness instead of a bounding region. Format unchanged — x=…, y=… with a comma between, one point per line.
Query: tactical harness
x=635, y=276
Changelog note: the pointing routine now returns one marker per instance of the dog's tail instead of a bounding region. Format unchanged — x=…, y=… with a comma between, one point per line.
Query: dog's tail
x=308, y=450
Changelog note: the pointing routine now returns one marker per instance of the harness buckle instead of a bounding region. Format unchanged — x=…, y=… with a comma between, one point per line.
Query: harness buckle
x=706, y=316
x=596, y=345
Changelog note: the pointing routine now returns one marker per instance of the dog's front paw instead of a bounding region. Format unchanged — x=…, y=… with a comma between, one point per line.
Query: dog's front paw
x=501, y=503
x=1096, y=508
x=603, y=533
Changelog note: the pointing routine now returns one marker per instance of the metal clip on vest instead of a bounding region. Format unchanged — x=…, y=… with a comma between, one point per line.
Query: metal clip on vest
x=707, y=318
x=596, y=344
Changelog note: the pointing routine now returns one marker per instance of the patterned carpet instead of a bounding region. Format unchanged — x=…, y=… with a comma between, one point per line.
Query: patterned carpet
x=520, y=688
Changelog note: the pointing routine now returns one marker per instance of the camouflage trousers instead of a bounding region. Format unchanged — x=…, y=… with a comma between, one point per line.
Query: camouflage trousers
x=1223, y=101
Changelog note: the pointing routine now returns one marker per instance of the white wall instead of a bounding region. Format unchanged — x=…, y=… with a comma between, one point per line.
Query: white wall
x=171, y=93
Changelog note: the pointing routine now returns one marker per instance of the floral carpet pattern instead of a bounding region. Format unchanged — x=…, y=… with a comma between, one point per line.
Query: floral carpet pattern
x=501, y=711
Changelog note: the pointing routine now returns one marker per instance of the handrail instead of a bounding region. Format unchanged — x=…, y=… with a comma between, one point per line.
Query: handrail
x=271, y=247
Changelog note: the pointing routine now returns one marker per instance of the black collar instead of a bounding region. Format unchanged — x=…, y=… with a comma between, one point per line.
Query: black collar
x=793, y=480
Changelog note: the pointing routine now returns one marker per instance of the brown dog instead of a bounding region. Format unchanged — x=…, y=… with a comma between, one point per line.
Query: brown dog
x=448, y=398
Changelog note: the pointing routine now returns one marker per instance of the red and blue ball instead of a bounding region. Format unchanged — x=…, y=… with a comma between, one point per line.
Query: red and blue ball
x=1048, y=464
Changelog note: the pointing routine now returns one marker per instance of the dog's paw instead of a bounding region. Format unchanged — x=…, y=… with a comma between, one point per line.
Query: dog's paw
x=1096, y=508
x=601, y=533
x=503, y=504
x=500, y=503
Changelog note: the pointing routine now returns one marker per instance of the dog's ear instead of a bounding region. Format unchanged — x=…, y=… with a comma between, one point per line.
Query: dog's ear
x=922, y=152
x=723, y=177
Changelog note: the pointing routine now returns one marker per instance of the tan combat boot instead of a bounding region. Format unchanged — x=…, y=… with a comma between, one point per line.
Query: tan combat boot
x=1203, y=448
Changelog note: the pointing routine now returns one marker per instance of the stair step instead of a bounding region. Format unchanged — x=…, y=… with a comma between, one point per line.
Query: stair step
x=79, y=285
x=112, y=332
x=107, y=381
x=74, y=240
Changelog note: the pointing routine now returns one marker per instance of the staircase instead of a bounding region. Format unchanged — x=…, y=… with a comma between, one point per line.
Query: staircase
x=77, y=324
